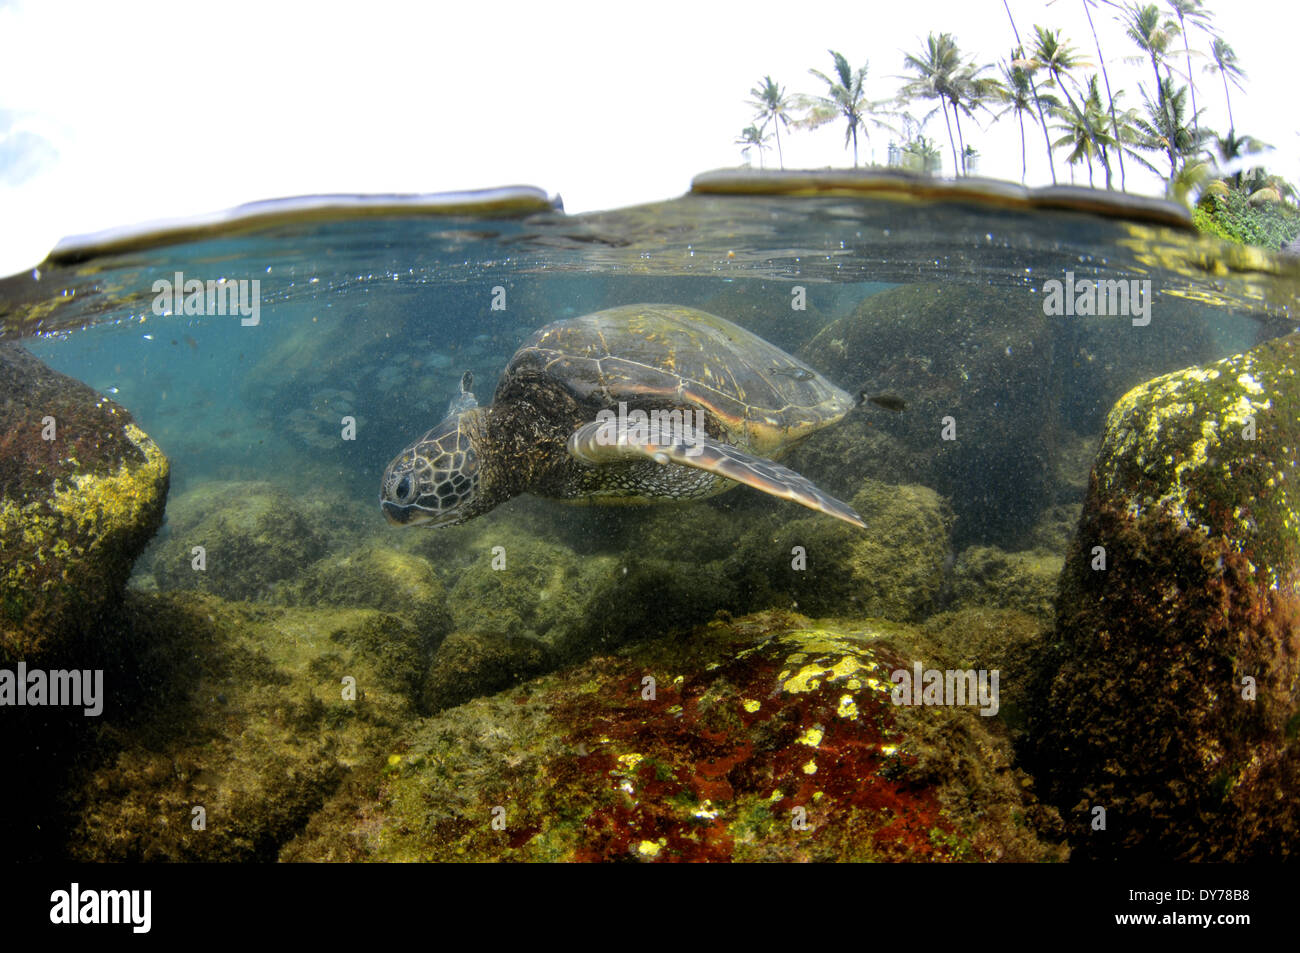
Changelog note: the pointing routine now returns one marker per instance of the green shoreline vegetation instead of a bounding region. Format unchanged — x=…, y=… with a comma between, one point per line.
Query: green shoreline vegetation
x=1047, y=83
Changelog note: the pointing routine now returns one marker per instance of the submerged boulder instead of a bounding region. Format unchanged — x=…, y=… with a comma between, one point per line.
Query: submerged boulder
x=975, y=366
x=767, y=738
x=82, y=491
x=894, y=570
x=251, y=535
x=1171, y=694
x=233, y=724
x=1025, y=581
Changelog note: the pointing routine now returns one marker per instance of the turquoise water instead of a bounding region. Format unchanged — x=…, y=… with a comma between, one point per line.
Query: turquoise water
x=377, y=319
x=278, y=432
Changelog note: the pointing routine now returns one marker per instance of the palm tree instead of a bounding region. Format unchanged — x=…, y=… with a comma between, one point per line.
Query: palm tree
x=1110, y=96
x=1231, y=150
x=942, y=75
x=935, y=69
x=752, y=136
x=1225, y=64
x=1086, y=131
x=772, y=105
x=1020, y=98
x=1190, y=10
x=1033, y=86
x=845, y=100
x=1144, y=26
x=1058, y=58
x=1165, y=127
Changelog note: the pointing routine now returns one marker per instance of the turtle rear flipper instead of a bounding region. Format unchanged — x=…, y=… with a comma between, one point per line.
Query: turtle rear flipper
x=609, y=442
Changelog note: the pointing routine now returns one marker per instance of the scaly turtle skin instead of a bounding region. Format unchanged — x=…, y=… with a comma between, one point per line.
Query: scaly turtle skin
x=636, y=404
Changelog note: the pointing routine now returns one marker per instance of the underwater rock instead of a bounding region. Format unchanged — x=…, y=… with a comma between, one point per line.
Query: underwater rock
x=1073, y=462
x=1054, y=531
x=766, y=738
x=469, y=664
x=894, y=570
x=519, y=586
x=1024, y=581
x=992, y=638
x=253, y=536
x=981, y=357
x=245, y=715
x=376, y=577
x=1169, y=694
x=82, y=491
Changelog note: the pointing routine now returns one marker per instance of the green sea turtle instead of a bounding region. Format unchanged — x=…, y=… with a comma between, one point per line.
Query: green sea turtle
x=636, y=404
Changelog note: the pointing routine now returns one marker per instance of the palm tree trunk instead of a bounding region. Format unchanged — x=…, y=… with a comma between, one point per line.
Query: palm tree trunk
x=956, y=166
x=1191, y=80
x=1160, y=90
x=1023, y=167
x=1231, y=125
x=779, y=156
x=1047, y=141
x=1114, y=123
x=854, y=129
x=961, y=140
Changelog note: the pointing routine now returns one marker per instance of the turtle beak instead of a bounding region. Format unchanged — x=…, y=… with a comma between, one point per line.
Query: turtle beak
x=397, y=515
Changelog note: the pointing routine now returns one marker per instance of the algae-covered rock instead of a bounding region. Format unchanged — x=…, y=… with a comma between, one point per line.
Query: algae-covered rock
x=1024, y=581
x=530, y=588
x=983, y=357
x=768, y=738
x=82, y=490
x=1171, y=694
x=256, y=716
x=992, y=638
x=376, y=577
x=894, y=569
x=469, y=664
x=253, y=535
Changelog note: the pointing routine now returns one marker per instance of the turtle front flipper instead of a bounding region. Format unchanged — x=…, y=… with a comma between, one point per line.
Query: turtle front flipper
x=607, y=441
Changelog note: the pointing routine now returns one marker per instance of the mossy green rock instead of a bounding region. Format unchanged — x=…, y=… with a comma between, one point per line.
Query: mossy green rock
x=75, y=510
x=1025, y=581
x=254, y=535
x=1171, y=693
x=256, y=715
x=767, y=738
x=376, y=577
x=894, y=569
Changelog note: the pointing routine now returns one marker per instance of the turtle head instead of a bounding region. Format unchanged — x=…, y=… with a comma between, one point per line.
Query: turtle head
x=436, y=480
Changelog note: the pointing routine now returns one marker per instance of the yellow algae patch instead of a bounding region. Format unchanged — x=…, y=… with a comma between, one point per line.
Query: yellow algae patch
x=630, y=761
x=750, y=705
x=812, y=737
x=848, y=708
x=888, y=750
x=809, y=678
x=810, y=767
x=648, y=848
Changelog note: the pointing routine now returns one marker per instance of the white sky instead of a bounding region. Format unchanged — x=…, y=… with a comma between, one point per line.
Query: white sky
x=161, y=109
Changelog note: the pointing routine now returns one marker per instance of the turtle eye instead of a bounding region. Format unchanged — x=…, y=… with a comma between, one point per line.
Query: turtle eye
x=403, y=489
